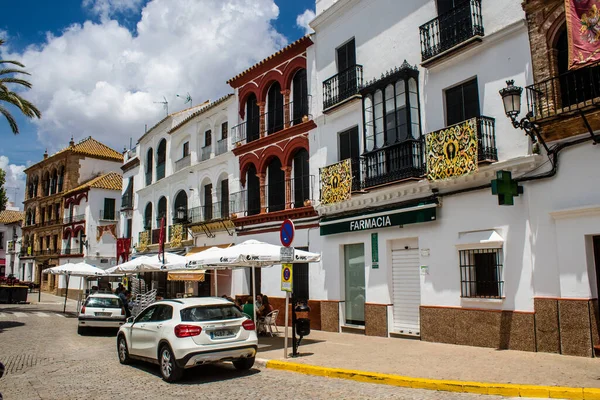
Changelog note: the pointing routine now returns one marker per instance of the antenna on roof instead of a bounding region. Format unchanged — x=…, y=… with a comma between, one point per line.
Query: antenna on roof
x=188, y=99
x=165, y=104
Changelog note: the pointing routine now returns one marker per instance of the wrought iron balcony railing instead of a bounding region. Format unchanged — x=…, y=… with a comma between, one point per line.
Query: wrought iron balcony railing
x=182, y=163
x=222, y=146
x=272, y=121
x=571, y=91
x=127, y=201
x=74, y=218
x=107, y=215
x=205, y=153
x=211, y=212
x=450, y=29
x=392, y=163
x=72, y=251
x=342, y=86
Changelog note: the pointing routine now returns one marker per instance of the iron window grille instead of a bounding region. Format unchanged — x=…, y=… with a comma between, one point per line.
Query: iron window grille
x=481, y=273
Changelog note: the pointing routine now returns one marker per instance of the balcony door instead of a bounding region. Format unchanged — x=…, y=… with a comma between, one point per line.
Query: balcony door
x=252, y=119
x=455, y=23
x=462, y=102
x=208, y=203
x=225, y=198
x=348, y=149
x=301, y=178
x=276, y=188
x=346, y=59
x=300, y=97
x=253, y=192
x=275, y=108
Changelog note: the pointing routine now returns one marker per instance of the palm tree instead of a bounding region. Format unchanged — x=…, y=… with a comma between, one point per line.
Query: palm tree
x=7, y=76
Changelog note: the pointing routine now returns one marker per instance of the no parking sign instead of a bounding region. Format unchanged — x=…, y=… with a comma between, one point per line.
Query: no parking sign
x=287, y=274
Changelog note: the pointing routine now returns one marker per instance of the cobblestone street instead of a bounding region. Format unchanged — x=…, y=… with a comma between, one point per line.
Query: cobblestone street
x=46, y=359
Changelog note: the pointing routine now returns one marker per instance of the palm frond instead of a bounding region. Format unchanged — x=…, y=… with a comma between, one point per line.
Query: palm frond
x=13, y=71
x=12, y=62
x=12, y=98
x=11, y=120
x=33, y=111
x=17, y=81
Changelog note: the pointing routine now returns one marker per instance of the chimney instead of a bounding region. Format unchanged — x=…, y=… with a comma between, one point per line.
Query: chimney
x=46, y=154
x=71, y=142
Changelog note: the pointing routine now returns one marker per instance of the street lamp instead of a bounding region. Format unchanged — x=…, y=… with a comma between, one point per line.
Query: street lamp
x=511, y=98
x=84, y=242
x=181, y=214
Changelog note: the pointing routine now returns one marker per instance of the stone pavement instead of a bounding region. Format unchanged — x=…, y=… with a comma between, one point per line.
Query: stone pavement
x=414, y=358
x=47, y=359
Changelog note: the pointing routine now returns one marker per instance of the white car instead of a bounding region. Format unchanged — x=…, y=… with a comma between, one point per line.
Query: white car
x=184, y=333
x=101, y=310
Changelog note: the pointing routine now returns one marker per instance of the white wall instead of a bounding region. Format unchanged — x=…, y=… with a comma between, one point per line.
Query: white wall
x=107, y=246
x=92, y=167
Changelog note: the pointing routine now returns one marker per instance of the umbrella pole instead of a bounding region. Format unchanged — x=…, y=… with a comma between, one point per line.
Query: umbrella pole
x=66, y=294
x=216, y=284
x=254, y=298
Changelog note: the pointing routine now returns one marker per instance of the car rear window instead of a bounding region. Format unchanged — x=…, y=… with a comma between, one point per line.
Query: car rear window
x=103, y=302
x=210, y=313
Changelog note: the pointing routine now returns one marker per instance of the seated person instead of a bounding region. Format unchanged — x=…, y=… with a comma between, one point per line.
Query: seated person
x=265, y=307
x=248, y=308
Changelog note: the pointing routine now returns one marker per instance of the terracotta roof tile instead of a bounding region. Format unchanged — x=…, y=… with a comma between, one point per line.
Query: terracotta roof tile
x=110, y=181
x=92, y=147
x=11, y=216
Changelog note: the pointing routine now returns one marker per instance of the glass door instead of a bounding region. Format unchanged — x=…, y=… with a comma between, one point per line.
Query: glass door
x=354, y=273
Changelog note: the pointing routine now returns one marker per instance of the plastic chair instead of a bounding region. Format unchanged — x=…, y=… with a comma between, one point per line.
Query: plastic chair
x=270, y=321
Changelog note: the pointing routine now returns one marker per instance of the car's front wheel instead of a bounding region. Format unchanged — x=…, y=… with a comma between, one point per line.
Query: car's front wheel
x=123, y=350
x=81, y=330
x=169, y=369
x=243, y=364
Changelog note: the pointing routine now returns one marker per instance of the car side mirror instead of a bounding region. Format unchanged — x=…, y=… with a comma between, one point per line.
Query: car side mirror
x=130, y=319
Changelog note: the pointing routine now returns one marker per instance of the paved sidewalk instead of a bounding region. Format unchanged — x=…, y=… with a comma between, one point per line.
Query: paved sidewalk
x=418, y=359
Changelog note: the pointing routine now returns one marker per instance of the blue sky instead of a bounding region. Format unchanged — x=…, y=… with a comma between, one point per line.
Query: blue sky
x=89, y=62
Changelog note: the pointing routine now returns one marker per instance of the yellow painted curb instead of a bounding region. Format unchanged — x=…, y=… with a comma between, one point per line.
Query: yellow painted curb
x=500, y=389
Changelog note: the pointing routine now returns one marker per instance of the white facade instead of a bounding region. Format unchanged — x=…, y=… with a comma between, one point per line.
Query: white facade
x=10, y=246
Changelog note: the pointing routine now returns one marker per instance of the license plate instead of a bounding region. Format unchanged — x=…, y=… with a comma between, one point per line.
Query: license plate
x=103, y=314
x=221, y=334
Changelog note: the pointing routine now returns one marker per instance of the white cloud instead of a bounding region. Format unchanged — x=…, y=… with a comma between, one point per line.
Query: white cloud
x=15, y=179
x=107, y=8
x=99, y=79
x=304, y=19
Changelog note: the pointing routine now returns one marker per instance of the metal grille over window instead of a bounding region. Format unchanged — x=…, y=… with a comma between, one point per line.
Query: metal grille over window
x=481, y=273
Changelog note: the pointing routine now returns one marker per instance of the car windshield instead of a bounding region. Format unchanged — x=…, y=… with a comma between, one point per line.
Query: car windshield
x=210, y=313
x=103, y=302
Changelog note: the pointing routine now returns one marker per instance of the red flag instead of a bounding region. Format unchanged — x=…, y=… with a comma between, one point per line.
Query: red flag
x=583, y=26
x=161, y=239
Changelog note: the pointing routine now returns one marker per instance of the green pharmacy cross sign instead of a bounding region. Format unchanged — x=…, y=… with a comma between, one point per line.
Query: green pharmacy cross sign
x=505, y=188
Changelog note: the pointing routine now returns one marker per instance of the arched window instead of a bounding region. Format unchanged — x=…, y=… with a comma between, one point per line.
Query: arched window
x=149, y=166
x=276, y=186
x=161, y=157
x=61, y=178
x=181, y=207
x=161, y=210
x=252, y=119
x=36, y=181
x=253, y=192
x=302, y=184
x=148, y=217
x=274, y=109
x=54, y=181
x=46, y=183
x=299, y=97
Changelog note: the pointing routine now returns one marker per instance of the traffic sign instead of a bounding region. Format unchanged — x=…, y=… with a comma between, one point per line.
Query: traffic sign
x=287, y=232
x=287, y=254
x=287, y=275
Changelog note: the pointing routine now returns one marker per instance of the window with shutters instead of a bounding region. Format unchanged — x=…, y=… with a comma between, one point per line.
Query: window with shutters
x=109, y=209
x=348, y=80
x=349, y=149
x=224, y=130
x=462, y=102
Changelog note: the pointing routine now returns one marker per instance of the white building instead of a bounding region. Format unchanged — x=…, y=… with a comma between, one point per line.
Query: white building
x=11, y=220
x=90, y=232
x=183, y=172
x=422, y=247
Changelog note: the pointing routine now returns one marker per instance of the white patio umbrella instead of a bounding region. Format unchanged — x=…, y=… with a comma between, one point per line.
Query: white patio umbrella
x=74, y=269
x=251, y=253
x=149, y=264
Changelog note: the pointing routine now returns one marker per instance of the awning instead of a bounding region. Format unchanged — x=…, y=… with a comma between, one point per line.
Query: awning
x=489, y=239
x=195, y=276
x=194, y=250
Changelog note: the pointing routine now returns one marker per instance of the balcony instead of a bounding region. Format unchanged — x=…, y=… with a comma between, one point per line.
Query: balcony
x=74, y=218
x=205, y=153
x=160, y=171
x=182, y=163
x=70, y=251
x=392, y=163
x=47, y=252
x=208, y=213
x=184, y=232
x=50, y=222
x=127, y=201
x=272, y=122
x=148, y=178
x=222, y=146
x=572, y=91
x=460, y=26
x=107, y=215
x=342, y=86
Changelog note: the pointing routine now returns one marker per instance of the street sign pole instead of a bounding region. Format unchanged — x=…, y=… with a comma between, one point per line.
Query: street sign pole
x=285, y=342
x=286, y=235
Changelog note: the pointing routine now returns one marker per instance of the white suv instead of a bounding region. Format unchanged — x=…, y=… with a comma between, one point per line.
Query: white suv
x=101, y=310
x=183, y=333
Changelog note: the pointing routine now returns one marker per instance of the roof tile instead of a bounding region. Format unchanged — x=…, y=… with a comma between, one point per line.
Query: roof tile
x=110, y=181
x=11, y=216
